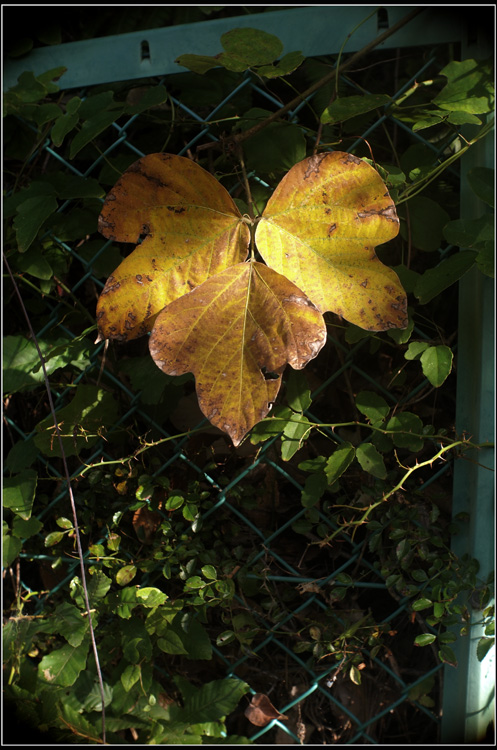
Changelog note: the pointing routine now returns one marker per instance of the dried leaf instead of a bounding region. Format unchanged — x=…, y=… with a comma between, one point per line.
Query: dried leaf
x=236, y=333
x=145, y=523
x=320, y=228
x=189, y=228
x=261, y=711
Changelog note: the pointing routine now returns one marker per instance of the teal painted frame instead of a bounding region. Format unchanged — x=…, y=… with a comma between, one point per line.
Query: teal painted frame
x=469, y=692
x=468, y=714
x=318, y=31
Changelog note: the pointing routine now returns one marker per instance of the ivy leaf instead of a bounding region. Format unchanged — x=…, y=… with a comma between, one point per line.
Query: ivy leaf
x=189, y=228
x=351, y=106
x=435, y=280
x=236, y=333
x=19, y=493
x=469, y=87
x=320, y=228
x=31, y=215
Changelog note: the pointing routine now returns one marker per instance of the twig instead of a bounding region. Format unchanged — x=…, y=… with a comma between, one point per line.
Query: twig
x=71, y=496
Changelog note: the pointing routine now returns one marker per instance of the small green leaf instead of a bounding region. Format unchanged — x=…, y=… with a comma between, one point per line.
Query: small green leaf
x=224, y=638
x=416, y=349
x=315, y=485
x=481, y=180
x=130, y=676
x=434, y=281
x=126, y=574
x=174, y=502
x=425, y=639
x=31, y=215
x=447, y=655
x=373, y=406
x=339, y=462
x=288, y=63
x=209, y=571
x=19, y=492
x=63, y=666
x=64, y=523
x=436, y=362
x=93, y=127
x=152, y=97
x=171, y=643
x=250, y=47
x=470, y=233
x=298, y=393
x=371, y=461
x=426, y=221
x=406, y=430
x=421, y=603
x=11, y=546
x=25, y=529
x=195, y=582
x=198, y=63
x=62, y=126
x=355, y=675
x=350, y=106
x=483, y=647
x=150, y=596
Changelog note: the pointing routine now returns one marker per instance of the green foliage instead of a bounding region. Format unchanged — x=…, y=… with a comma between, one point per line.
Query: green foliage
x=178, y=533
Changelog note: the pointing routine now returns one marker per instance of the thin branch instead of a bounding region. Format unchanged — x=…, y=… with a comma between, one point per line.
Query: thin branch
x=71, y=495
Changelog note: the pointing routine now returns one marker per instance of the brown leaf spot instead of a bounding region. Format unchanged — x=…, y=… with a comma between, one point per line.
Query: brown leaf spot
x=388, y=213
x=314, y=164
x=331, y=229
x=351, y=159
x=111, y=285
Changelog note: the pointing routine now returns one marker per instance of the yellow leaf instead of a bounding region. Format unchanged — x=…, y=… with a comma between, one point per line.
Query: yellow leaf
x=236, y=333
x=189, y=228
x=320, y=228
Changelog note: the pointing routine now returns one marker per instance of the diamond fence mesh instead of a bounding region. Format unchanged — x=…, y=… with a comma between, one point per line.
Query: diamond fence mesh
x=308, y=592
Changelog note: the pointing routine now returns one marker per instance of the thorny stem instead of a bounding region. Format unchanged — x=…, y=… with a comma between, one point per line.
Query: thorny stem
x=398, y=486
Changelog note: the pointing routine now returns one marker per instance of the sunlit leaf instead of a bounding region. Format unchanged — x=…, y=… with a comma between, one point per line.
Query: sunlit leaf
x=236, y=333
x=350, y=106
x=469, y=87
x=320, y=228
x=189, y=229
x=19, y=493
x=63, y=666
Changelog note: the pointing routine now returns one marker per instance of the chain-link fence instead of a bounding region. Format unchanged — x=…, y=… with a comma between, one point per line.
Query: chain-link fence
x=302, y=576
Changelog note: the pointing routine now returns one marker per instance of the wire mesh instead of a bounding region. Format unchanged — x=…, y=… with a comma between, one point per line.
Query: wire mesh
x=249, y=495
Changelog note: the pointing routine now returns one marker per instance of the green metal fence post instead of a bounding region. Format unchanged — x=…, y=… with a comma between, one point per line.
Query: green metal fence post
x=468, y=704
